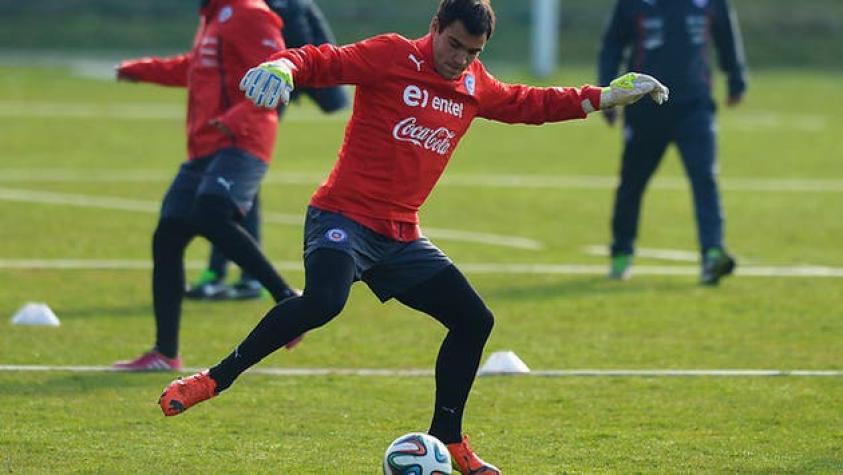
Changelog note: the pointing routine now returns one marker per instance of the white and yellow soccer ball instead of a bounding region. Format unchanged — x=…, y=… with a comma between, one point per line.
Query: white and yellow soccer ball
x=417, y=454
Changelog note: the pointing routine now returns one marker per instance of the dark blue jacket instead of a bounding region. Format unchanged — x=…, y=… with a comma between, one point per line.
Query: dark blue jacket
x=304, y=24
x=669, y=39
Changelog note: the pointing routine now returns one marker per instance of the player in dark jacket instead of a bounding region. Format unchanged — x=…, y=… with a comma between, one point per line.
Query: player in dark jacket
x=669, y=39
x=304, y=24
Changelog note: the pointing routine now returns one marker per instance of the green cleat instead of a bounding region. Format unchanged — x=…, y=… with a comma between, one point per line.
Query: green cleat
x=209, y=286
x=717, y=263
x=621, y=267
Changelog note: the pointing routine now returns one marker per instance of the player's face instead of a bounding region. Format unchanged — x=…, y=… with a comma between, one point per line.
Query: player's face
x=454, y=48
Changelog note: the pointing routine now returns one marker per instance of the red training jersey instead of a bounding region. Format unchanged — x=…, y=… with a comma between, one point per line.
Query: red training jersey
x=407, y=120
x=233, y=36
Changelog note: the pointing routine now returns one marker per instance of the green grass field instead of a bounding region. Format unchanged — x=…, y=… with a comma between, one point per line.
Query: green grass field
x=84, y=164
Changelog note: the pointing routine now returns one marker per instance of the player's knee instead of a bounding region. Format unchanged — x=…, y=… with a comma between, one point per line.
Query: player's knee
x=483, y=323
x=475, y=324
x=323, y=306
x=210, y=212
x=170, y=238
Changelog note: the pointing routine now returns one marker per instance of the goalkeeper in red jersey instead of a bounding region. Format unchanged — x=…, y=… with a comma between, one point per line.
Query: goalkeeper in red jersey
x=415, y=100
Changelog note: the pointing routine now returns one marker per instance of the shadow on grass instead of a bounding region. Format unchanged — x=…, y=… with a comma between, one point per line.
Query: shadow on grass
x=121, y=311
x=59, y=384
x=600, y=286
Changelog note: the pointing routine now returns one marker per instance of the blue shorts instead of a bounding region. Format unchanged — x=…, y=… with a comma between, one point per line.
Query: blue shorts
x=387, y=266
x=230, y=172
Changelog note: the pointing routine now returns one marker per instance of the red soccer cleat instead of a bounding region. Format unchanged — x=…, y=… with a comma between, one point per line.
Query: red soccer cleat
x=182, y=394
x=467, y=462
x=152, y=360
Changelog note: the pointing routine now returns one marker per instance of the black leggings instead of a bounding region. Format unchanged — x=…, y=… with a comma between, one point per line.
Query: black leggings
x=215, y=218
x=447, y=297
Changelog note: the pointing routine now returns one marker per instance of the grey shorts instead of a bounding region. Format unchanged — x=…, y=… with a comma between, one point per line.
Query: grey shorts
x=387, y=266
x=230, y=172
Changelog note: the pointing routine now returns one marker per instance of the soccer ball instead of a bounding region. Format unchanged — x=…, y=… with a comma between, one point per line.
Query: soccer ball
x=417, y=454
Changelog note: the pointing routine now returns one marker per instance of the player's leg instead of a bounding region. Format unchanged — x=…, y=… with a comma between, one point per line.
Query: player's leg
x=248, y=287
x=329, y=274
x=225, y=195
x=696, y=139
x=643, y=150
x=172, y=235
x=450, y=299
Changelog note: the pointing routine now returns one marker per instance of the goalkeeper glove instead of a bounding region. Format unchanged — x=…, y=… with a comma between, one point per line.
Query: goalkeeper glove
x=268, y=83
x=630, y=87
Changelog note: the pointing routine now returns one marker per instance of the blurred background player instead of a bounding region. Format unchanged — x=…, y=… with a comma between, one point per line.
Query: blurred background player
x=669, y=39
x=229, y=142
x=304, y=24
x=414, y=102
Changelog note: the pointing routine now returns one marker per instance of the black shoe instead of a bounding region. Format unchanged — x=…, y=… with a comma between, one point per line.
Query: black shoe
x=245, y=289
x=209, y=286
x=717, y=264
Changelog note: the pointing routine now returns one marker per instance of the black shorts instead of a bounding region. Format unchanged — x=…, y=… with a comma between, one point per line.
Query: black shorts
x=387, y=266
x=230, y=172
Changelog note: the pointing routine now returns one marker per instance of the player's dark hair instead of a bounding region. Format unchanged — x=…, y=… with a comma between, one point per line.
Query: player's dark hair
x=476, y=15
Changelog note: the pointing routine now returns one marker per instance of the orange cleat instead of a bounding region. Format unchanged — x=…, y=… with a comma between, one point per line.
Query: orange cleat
x=467, y=462
x=182, y=394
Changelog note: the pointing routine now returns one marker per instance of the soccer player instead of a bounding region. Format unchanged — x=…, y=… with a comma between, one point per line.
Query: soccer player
x=229, y=142
x=304, y=24
x=669, y=39
x=415, y=100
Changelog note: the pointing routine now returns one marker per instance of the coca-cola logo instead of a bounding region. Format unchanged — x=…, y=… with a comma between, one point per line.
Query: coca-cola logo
x=436, y=140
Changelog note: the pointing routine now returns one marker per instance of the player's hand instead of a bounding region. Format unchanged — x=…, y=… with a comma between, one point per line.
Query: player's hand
x=269, y=83
x=121, y=75
x=734, y=99
x=631, y=87
x=216, y=123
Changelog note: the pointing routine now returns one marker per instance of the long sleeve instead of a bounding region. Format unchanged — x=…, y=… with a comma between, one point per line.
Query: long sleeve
x=171, y=71
x=521, y=104
x=365, y=62
x=255, y=37
x=616, y=38
x=729, y=46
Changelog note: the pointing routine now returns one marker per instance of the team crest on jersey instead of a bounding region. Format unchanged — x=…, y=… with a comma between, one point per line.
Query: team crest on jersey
x=225, y=14
x=701, y=3
x=468, y=82
x=336, y=235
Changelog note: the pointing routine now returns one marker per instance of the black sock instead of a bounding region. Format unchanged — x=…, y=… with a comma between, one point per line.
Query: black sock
x=450, y=299
x=328, y=275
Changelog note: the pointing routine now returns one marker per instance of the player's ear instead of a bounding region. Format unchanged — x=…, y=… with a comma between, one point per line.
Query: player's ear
x=434, y=25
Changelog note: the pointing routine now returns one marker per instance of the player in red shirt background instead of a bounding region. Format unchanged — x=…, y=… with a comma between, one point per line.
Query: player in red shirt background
x=229, y=145
x=415, y=100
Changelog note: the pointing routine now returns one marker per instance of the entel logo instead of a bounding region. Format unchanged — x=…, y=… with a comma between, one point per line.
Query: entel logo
x=415, y=96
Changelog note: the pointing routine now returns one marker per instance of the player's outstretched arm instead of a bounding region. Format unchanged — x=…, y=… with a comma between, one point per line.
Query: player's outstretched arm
x=268, y=83
x=628, y=89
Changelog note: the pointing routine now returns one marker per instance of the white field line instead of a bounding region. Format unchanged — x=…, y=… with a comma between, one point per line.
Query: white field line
x=135, y=111
x=101, y=202
x=174, y=111
x=584, y=182
x=473, y=268
x=663, y=254
x=415, y=372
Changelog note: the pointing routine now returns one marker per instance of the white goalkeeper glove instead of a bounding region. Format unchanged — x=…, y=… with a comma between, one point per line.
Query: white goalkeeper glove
x=630, y=87
x=268, y=83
